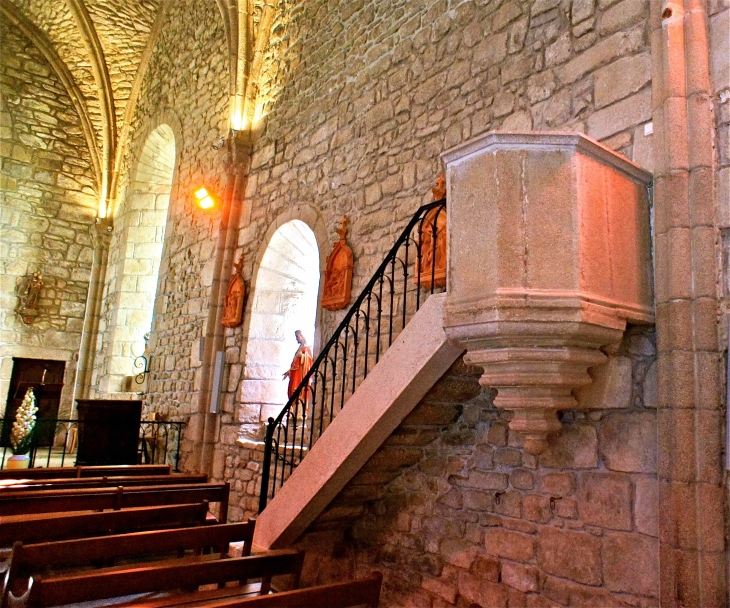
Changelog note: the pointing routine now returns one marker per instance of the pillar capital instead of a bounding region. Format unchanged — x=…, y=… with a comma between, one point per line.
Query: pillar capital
x=549, y=258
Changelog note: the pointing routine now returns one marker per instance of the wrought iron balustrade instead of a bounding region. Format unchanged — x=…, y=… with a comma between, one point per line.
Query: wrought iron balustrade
x=414, y=268
x=56, y=442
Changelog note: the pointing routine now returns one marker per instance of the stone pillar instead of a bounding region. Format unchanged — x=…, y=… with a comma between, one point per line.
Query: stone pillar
x=689, y=361
x=101, y=235
x=204, y=427
x=549, y=257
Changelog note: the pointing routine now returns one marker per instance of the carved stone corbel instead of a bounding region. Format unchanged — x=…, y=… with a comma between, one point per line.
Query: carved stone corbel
x=549, y=257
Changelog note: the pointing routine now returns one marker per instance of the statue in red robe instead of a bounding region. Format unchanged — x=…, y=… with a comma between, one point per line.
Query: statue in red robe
x=300, y=366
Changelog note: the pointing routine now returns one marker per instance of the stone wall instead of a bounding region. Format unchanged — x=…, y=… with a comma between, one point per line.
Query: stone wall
x=471, y=518
x=370, y=93
x=48, y=209
x=186, y=87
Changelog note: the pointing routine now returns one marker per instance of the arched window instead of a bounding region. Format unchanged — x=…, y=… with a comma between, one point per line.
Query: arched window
x=284, y=299
x=143, y=218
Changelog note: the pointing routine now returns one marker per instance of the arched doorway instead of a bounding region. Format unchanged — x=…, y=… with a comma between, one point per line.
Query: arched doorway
x=285, y=299
x=143, y=218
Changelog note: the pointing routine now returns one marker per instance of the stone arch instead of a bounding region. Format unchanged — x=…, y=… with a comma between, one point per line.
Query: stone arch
x=142, y=219
x=284, y=297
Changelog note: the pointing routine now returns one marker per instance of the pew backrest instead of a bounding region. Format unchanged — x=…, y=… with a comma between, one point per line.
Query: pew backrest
x=100, y=584
x=37, y=557
x=359, y=592
x=63, y=483
x=86, y=471
x=18, y=502
x=62, y=526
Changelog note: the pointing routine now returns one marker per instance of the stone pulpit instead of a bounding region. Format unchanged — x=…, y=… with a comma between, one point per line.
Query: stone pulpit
x=549, y=258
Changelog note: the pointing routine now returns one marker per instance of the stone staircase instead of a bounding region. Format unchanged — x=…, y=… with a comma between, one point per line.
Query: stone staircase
x=410, y=367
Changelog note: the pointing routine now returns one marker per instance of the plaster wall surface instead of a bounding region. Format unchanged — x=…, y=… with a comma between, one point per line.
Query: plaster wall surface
x=48, y=210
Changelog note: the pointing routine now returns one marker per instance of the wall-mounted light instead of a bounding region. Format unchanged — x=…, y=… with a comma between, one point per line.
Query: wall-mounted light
x=205, y=200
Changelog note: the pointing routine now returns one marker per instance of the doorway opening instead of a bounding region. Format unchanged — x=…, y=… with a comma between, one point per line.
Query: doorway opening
x=45, y=377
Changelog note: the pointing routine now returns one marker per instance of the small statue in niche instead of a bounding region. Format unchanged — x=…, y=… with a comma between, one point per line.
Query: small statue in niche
x=233, y=302
x=28, y=308
x=300, y=366
x=432, y=242
x=338, y=274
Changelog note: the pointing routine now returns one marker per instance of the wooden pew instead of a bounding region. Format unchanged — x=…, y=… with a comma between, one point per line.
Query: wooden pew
x=86, y=471
x=97, y=499
x=64, y=483
x=360, y=592
x=61, y=526
x=164, y=576
x=30, y=559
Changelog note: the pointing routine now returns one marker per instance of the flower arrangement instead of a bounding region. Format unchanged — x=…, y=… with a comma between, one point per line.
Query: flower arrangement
x=21, y=434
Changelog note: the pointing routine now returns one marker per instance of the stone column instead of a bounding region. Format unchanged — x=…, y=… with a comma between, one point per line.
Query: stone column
x=689, y=362
x=203, y=426
x=549, y=257
x=101, y=235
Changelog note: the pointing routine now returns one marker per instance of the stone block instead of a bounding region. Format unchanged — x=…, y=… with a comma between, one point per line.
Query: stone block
x=475, y=590
x=631, y=564
x=621, y=115
x=484, y=481
x=458, y=552
x=478, y=501
x=720, y=39
x=627, y=442
x=489, y=52
x=572, y=555
x=442, y=588
x=611, y=387
x=497, y=434
x=558, y=484
x=512, y=545
x=581, y=10
x=576, y=447
x=646, y=506
x=621, y=78
x=604, y=499
x=601, y=54
x=622, y=15
x=537, y=508
x=522, y=480
x=522, y=578
x=508, y=503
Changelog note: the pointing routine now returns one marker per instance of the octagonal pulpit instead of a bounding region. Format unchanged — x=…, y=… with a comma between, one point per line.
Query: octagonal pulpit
x=549, y=256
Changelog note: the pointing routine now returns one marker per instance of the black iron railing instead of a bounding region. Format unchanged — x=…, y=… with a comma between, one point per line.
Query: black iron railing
x=414, y=268
x=56, y=442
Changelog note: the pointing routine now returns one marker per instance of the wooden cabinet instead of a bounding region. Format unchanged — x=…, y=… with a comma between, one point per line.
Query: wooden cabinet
x=108, y=431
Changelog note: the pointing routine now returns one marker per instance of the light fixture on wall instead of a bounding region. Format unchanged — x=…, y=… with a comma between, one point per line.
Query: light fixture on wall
x=204, y=199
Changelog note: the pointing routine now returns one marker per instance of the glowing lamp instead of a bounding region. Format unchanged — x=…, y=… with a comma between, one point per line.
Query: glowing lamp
x=205, y=200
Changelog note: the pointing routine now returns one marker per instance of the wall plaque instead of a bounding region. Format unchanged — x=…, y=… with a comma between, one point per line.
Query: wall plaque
x=233, y=302
x=338, y=274
x=432, y=243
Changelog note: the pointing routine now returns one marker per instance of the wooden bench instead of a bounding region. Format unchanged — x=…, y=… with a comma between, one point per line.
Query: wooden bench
x=86, y=471
x=31, y=559
x=360, y=592
x=164, y=576
x=55, y=526
x=64, y=483
x=14, y=502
